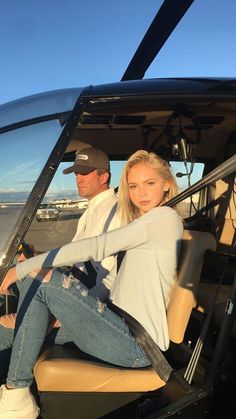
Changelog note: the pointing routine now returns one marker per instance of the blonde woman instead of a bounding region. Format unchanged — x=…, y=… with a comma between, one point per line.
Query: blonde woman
x=127, y=207
x=141, y=287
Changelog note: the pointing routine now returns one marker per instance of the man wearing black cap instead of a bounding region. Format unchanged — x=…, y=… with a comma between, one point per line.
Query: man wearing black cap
x=92, y=171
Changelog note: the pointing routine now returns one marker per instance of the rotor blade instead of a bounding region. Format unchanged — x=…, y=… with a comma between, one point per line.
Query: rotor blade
x=165, y=21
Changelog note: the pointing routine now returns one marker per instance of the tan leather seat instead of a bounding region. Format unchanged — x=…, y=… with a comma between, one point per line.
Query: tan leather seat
x=183, y=298
x=60, y=369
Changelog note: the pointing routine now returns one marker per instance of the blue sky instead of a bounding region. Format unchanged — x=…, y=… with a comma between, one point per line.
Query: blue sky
x=55, y=44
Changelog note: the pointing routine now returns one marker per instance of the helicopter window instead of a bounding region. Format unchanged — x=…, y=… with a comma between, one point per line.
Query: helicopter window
x=37, y=106
x=24, y=152
x=187, y=175
x=63, y=195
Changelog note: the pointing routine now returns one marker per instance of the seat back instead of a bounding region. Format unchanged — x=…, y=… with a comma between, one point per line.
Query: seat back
x=183, y=297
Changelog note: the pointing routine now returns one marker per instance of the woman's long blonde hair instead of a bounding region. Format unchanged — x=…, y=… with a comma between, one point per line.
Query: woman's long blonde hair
x=127, y=210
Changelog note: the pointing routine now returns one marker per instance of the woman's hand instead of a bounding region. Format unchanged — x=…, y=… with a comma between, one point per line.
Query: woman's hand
x=9, y=279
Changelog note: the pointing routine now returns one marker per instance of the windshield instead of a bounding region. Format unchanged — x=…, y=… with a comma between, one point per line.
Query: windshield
x=25, y=150
x=37, y=106
x=23, y=156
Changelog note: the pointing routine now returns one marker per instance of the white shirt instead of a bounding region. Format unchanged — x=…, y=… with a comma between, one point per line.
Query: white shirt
x=92, y=222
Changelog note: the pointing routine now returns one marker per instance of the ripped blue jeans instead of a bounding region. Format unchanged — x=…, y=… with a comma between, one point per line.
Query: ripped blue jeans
x=89, y=324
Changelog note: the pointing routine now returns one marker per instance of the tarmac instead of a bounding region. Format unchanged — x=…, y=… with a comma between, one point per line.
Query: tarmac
x=47, y=234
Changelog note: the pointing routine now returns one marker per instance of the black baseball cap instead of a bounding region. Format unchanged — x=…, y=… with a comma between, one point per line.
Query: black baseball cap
x=87, y=160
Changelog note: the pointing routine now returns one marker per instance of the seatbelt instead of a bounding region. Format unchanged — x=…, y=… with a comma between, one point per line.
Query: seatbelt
x=120, y=257
x=145, y=341
x=109, y=218
x=89, y=279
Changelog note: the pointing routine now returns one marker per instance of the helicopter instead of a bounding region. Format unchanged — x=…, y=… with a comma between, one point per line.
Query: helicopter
x=185, y=120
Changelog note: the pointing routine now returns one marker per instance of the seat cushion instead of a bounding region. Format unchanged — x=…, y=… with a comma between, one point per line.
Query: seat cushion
x=63, y=369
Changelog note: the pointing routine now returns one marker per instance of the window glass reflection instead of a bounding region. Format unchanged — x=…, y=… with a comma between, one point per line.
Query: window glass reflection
x=24, y=153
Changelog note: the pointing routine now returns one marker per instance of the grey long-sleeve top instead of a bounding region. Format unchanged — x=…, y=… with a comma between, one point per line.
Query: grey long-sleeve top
x=143, y=284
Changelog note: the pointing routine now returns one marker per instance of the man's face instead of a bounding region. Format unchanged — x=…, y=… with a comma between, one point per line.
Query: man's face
x=91, y=184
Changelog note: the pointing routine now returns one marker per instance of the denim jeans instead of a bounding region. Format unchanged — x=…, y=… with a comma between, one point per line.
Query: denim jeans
x=88, y=323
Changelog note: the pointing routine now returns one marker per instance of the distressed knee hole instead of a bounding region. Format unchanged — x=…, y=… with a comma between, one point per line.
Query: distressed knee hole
x=69, y=280
x=100, y=306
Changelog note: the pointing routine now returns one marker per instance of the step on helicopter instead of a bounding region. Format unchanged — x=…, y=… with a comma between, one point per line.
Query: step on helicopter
x=191, y=122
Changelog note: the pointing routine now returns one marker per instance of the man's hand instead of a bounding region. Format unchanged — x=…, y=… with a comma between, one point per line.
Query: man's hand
x=21, y=257
x=25, y=251
x=9, y=279
x=8, y=321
